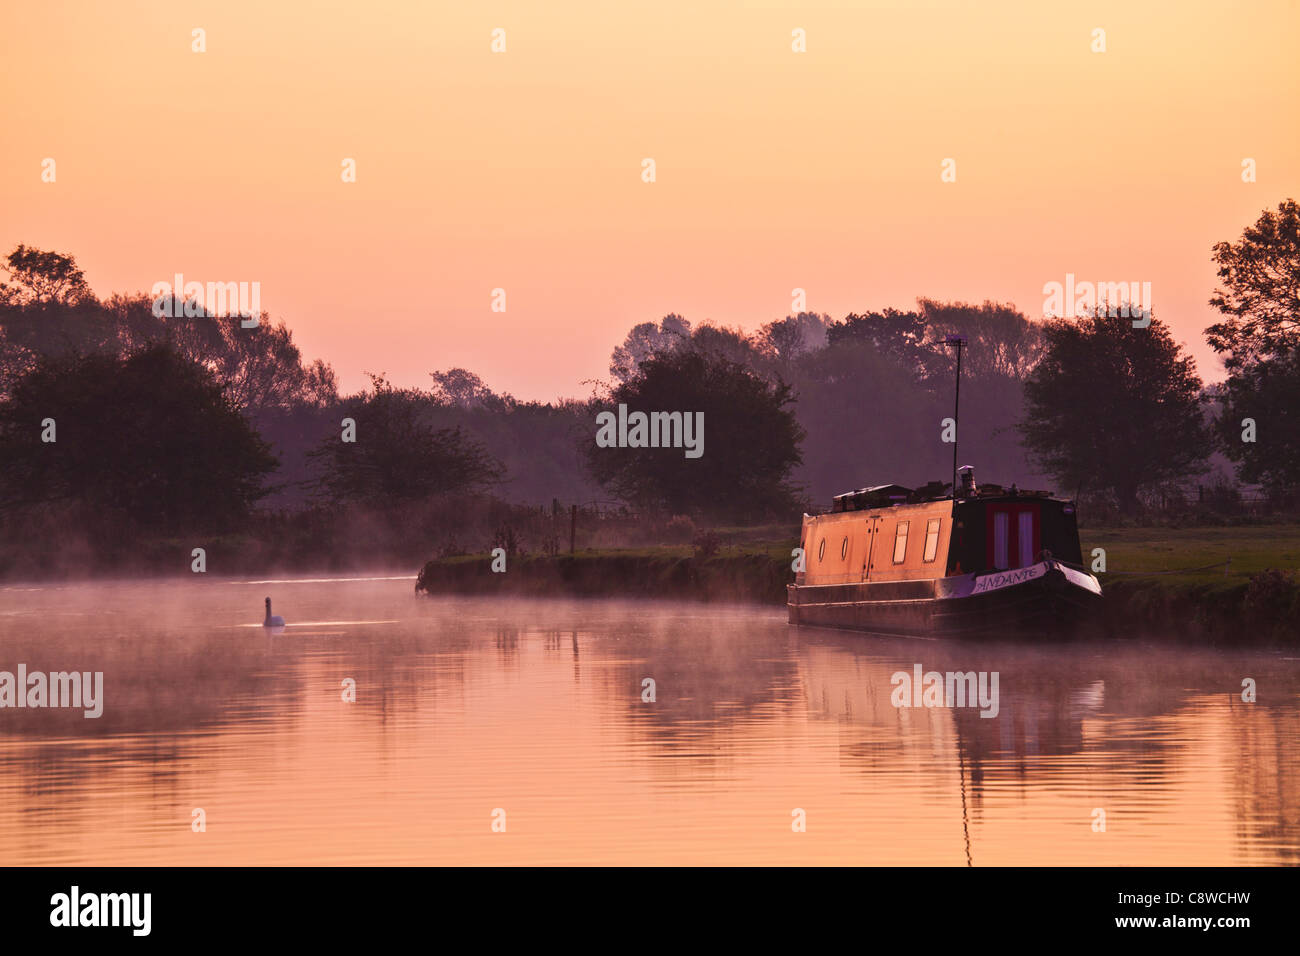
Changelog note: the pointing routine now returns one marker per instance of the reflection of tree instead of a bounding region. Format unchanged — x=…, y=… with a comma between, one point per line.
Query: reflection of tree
x=153, y=683
x=1073, y=718
x=713, y=671
x=1266, y=782
x=166, y=697
x=507, y=643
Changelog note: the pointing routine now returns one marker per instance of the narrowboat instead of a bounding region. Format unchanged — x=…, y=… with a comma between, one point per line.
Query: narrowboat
x=983, y=561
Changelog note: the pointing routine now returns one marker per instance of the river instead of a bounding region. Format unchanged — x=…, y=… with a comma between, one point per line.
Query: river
x=523, y=731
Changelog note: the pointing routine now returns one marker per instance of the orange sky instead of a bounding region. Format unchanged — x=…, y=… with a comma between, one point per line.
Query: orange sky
x=522, y=170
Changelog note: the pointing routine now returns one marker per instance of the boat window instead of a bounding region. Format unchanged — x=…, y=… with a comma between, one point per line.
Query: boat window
x=931, y=539
x=1025, y=538
x=821, y=550
x=844, y=548
x=900, y=542
x=1001, y=525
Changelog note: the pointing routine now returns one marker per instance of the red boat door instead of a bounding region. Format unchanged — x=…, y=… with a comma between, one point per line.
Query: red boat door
x=1013, y=535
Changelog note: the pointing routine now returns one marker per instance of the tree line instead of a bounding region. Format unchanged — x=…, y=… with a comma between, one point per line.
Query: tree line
x=114, y=416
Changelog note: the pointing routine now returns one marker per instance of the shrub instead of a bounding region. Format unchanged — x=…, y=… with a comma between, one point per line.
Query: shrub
x=506, y=538
x=707, y=544
x=680, y=530
x=1273, y=600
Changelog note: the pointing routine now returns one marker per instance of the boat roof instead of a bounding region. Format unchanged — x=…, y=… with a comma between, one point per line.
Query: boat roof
x=883, y=496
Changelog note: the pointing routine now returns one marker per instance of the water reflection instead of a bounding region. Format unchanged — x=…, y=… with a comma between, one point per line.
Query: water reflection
x=463, y=706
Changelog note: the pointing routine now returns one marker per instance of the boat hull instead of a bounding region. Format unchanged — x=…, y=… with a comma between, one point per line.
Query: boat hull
x=1048, y=599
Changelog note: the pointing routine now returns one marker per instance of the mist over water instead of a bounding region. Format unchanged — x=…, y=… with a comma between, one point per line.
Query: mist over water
x=467, y=705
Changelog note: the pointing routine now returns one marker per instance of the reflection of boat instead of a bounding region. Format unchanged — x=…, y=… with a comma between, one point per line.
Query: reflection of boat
x=896, y=560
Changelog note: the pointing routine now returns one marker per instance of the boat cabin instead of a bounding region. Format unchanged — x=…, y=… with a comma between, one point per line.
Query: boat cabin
x=894, y=533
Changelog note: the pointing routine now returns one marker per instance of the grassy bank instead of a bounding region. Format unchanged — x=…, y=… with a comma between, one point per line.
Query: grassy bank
x=1199, y=583
x=1228, y=583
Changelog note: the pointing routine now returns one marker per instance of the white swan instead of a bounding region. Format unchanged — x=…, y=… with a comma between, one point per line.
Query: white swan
x=276, y=621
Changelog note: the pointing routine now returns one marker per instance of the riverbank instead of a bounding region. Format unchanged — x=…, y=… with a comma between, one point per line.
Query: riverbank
x=1223, y=584
x=756, y=575
x=1209, y=584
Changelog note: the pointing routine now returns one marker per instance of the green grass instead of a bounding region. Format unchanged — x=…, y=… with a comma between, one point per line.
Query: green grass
x=1217, y=603
x=1251, y=549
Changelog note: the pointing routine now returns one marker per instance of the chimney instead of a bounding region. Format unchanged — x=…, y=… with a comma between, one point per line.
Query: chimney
x=967, y=481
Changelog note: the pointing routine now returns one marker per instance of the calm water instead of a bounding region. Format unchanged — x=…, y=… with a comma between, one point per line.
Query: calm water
x=466, y=706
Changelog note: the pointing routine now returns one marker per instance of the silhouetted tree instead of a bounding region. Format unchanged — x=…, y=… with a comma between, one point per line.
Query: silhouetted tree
x=898, y=336
x=1261, y=293
x=46, y=309
x=149, y=436
x=872, y=389
x=43, y=278
x=537, y=443
x=260, y=367
x=645, y=341
x=398, y=454
x=1260, y=340
x=750, y=441
x=868, y=421
x=785, y=340
x=1267, y=392
x=1114, y=408
x=461, y=388
x=731, y=345
x=1002, y=342
x=49, y=311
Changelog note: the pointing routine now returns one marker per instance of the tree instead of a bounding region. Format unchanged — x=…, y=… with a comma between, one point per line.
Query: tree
x=537, y=443
x=645, y=341
x=786, y=340
x=867, y=420
x=43, y=278
x=898, y=336
x=148, y=436
x=51, y=330
x=398, y=454
x=1002, y=342
x=319, y=385
x=46, y=309
x=752, y=441
x=731, y=345
x=1267, y=393
x=1261, y=340
x=1261, y=294
x=260, y=367
x=461, y=388
x=1114, y=408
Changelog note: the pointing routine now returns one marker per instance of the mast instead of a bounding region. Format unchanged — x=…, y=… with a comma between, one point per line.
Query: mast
x=960, y=342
